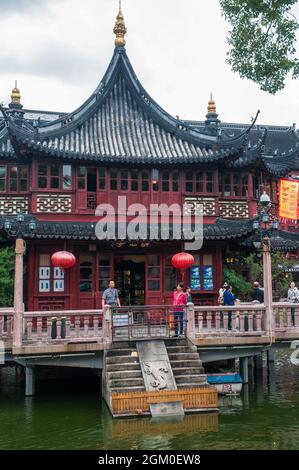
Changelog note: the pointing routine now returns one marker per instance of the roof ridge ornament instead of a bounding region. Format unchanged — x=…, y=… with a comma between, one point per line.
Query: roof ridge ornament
x=15, y=94
x=120, y=29
x=212, y=105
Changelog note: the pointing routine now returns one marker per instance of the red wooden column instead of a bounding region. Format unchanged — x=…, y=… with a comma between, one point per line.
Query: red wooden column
x=32, y=272
x=218, y=278
x=252, y=201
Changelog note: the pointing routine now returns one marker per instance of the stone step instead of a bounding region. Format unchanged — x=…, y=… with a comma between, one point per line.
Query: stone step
x=120, y=352
x=177, y=371
x=199, y=379
x=127, y=389
x=123, y=344
x=127, y=383
x=124, y=366
x=185, y=363
x=172, y=349
x=176, y=342
x=122, y=360
x=180, y=350
x=124, y=374
x=190, y=385
x=183, y=355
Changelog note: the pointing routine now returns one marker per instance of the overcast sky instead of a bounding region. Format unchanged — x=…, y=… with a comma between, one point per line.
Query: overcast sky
x=59, y=50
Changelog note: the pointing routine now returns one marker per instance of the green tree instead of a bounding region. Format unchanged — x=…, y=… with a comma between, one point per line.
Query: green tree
x=280, y=282
x=241, y=287
x=7, y=258
x=262, y=41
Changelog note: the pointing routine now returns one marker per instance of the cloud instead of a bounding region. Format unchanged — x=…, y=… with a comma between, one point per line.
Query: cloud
x=51, y=59
x=16, y=7
x=59, y=50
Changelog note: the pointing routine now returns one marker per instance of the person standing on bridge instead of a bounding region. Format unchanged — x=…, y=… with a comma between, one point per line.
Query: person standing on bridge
x=229, y=299
x=110, y=296
x=293, y=297
x=257, y=294
x=179, y=302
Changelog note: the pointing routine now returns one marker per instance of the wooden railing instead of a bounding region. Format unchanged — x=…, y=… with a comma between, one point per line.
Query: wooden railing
x=63, y=326
x=286, y=315
x=244, y=319
x=6, y=323
x=193, y=398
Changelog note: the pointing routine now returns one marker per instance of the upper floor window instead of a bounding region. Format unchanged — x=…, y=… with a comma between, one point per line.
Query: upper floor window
x=170, y=181
x=54, y=176
x=199, y=182
x=13, y=179
x=128, y=180
x=233, y=184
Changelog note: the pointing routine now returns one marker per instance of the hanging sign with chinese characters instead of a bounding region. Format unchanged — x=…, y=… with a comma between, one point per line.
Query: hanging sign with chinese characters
x=289, y=199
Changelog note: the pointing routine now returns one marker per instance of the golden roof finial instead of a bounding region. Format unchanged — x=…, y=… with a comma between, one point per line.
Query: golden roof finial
x=212, y=105
x=120, y=29
x=15, y=94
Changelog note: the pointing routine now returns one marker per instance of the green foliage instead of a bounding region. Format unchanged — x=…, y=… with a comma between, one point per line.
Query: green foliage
x=7, y=258
x=241, y=287
x=280, y=282
x=262, y=41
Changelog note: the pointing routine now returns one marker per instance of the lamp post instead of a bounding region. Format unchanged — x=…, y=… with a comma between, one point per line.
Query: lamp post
x=14, y=228
x=265, y=225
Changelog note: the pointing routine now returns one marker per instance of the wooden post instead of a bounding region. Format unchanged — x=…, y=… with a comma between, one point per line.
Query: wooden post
x=18, y=294
x=268, y=295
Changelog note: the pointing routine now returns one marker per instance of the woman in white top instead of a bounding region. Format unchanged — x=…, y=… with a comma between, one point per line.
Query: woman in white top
x=293, y=297
x=221, y=292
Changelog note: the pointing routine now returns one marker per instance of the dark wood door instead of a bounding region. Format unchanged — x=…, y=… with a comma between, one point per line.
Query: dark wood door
x=154, y=280
x=87, y=277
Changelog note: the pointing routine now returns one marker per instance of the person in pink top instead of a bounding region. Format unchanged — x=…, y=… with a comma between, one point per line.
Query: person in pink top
x=179, y=302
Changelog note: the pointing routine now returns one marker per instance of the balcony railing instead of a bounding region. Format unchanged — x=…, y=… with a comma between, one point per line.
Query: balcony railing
x=6, y=324
x=146, y=322
x=241, y=320
x=64, y=326
x=286, y=315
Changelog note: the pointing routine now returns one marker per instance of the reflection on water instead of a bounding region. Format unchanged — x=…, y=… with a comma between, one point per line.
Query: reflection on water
x=72, y=416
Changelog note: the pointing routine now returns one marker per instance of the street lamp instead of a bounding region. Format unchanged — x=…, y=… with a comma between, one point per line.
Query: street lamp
x=265, y=225
x=14, y=228
x=266, y=222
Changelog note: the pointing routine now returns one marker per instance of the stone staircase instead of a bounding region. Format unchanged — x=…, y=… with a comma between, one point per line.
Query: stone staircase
x=123, y=371
x=186, y=364
x=122, y=374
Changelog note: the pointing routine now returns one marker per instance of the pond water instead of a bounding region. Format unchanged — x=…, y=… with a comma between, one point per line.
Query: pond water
x=71, y=415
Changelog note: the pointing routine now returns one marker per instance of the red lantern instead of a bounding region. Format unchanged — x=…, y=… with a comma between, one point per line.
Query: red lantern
x=63, y=260
x=182, y=261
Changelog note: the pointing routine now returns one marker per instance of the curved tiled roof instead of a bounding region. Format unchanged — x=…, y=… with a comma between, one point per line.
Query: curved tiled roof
x=221, y=230
x=6, y=148
x=121, y=122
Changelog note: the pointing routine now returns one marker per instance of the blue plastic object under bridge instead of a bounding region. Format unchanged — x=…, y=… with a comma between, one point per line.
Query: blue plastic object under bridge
x=224, y=378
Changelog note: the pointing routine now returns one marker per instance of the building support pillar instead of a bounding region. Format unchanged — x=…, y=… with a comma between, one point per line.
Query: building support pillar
x=270, y=355
x=258, y=362
x=30, y=381
x=244, y=369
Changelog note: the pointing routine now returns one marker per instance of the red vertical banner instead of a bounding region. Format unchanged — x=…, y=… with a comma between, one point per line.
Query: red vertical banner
x=289, y=199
